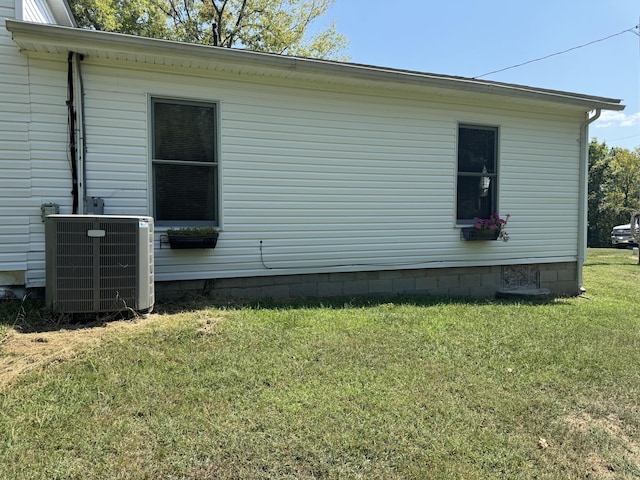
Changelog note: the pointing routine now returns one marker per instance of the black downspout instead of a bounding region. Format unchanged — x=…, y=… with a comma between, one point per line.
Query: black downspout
x=72, y=135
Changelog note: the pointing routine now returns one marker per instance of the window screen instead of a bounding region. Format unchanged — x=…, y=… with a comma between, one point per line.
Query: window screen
x=185, y=167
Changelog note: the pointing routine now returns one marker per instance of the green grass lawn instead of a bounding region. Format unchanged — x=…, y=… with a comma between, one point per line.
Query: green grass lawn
x=395, y=388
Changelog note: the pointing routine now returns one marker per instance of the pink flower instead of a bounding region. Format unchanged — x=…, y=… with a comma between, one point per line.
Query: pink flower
x=493, y=223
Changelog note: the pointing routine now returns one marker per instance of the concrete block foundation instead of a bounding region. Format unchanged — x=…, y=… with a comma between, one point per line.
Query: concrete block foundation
x=561, y=279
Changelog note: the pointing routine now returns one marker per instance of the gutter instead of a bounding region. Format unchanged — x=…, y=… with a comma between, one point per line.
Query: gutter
x=59, y=39
x=583, y=193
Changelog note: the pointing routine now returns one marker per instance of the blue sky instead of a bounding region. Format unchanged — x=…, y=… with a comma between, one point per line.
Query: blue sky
x=470, y=38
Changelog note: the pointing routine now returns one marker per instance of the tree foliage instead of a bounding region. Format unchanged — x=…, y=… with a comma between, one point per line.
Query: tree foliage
x=275, y=26
x=144, y=18
x=614, y=189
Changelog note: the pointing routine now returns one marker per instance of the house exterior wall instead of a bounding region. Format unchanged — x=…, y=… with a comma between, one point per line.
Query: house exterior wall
x=49, y=154
x=315, y=179
x=15, y=180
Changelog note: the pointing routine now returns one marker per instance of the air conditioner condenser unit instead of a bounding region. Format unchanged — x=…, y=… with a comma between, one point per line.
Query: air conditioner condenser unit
x=99, y=263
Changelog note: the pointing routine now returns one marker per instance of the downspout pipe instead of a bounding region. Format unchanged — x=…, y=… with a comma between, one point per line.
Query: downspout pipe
x=584, y=192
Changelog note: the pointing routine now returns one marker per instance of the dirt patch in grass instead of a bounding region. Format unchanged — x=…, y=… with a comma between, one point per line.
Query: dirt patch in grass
x=620, y=444
x=22, y=352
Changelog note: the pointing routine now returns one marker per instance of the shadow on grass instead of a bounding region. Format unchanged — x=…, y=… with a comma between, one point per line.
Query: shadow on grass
x=30, y=315
x=633, y=263
x=200, y=302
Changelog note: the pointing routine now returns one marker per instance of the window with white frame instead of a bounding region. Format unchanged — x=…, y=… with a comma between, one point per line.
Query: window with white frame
x=477, y=186
x=184, y=162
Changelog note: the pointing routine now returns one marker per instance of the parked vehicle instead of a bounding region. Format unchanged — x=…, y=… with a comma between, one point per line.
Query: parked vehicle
x=621, y=236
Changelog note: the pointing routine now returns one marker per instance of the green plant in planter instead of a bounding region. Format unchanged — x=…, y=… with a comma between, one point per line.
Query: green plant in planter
x=192, y=231
x=192, y=237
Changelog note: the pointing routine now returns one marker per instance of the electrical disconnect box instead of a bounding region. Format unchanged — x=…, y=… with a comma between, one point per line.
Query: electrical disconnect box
x=94, y=206
x=49, y=209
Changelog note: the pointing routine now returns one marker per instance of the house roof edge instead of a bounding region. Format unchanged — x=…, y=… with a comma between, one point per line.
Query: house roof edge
x=77, y=39
x=62, y=12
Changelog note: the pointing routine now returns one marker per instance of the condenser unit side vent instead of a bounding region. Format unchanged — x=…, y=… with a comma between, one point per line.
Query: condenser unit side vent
x=99, y=263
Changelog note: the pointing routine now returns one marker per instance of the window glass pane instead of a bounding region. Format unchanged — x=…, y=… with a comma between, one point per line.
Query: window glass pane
x=183, y=132
x=185, y=192
x=475, y=197
x=477, y=149
x=477, y=174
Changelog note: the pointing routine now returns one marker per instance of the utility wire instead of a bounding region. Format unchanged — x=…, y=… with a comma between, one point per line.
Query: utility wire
x=564, y=51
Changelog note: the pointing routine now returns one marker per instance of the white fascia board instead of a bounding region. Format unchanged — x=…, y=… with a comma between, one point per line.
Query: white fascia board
x=57, y=39
x=62, y=12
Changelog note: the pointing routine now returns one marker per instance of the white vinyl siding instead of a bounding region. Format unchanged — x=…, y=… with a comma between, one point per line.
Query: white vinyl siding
x=15, y=178
x=49, y=153
x=543, y=183
x=314, y=179
x=37, y=11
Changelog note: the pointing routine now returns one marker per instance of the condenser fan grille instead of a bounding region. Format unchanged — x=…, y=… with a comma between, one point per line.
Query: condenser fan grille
x=74, y=270
x=117, y=266
x=96, y=264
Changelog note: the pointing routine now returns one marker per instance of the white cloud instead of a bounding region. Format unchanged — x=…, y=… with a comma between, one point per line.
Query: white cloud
x=617, y=119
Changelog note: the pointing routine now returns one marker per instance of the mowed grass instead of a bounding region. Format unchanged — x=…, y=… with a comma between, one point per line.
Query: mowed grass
x=374, y=389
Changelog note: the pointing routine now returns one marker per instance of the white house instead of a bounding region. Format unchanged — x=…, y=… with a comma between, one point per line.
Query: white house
x=323, y=178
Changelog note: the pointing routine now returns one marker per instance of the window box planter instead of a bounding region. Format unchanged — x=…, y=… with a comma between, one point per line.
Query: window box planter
x=186, y=238
x=474, y=234
x=491, y=228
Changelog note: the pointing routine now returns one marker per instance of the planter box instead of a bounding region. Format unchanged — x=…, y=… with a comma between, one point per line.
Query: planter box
x=474, y=234
x=193, y=241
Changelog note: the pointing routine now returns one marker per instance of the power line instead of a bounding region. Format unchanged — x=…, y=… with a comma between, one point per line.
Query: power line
x=564, y=51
